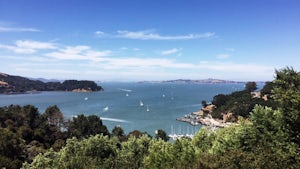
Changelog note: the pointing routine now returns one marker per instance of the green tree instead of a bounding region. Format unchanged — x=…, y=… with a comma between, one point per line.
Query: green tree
x=11, y=149
x=161, y=134
x=54, y=117
x=84, y=126
x=204, y=104
x=219, y=100
x=132, y=152
x=267, y=89
x=94, y=152
x=287, y=93
x=160, y=155
x=250, y=86
x=118, y=132
x=203, y=140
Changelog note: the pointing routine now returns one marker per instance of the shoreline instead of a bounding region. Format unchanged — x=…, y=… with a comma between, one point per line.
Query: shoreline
x=205, y=119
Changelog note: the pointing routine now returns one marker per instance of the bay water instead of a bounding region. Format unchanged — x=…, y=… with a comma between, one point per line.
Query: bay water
x=134, y=106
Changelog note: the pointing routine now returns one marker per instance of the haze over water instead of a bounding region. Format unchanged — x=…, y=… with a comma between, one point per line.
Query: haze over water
x=119, y=104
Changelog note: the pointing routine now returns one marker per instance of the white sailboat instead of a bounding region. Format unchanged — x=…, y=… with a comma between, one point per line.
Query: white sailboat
x=105, y=109
x=141, y=104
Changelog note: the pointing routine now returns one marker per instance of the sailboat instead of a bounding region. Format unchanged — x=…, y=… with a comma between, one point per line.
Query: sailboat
x=141, y=104
x=105, y=109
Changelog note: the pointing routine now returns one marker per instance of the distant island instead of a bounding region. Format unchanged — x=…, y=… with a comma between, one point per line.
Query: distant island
x=189, y=81
x=10, y=84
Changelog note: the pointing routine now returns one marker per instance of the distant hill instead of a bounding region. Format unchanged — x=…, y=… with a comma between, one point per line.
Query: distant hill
x=203, y=81
x=10, y=84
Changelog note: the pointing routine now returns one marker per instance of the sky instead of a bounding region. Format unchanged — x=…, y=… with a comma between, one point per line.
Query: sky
x=136, y=40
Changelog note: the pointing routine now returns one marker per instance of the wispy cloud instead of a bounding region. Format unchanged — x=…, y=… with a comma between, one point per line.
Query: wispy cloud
x=78, y=53
x=99, y=33
x=35, y=44
x=151, y=35
x=171, y=51
x=82, y=59
x=131, y=62
x=28, y=46
x=17, y=49
x=18, y=29
x=223, y=56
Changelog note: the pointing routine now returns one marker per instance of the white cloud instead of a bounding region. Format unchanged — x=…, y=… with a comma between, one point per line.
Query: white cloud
x=162, y=69
x=145, y=62
x=73, y=59
x=223, y=56
x=79, y=53
x=170, y=51
x=17, y=49
x=99, y=33
x=16, y=29
x=28, y=46
x=238, y=68
x=151, y=35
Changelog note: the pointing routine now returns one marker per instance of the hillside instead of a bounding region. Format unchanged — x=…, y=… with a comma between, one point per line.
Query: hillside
x=10, y=84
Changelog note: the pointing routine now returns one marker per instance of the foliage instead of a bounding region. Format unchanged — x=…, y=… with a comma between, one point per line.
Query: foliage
x=203, y=103
x=267, y=89
x=132, y=152
x=94, y=152
x=160, y=134
x=240, y=103
x=84, y=126
x=11, y=146
x=287, y=93
x=70, y=85
x=26, y=133
x=118, y=132
x=250, y=86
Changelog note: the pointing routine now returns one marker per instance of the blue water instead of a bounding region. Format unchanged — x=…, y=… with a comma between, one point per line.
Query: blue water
x=119, y=104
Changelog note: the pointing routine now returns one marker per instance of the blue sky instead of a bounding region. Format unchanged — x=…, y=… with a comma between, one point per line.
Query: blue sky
x=132, y=40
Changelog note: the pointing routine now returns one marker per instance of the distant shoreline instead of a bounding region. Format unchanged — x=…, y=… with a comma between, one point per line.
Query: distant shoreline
x=21, y=85
x=202, y=81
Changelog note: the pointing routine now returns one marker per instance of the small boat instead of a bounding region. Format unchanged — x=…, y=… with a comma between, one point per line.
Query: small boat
x=105, y=109
x=141, y=104
x=194, y=123
x=163, y=95
x=86, y=98
x=127, y=94
x=147, y=108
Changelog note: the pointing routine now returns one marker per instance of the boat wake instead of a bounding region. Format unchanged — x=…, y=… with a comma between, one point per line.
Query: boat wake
x=114, y=120
x=125, y=90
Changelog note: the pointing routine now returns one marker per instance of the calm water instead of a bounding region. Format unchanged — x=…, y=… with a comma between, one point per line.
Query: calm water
x=119, y=104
